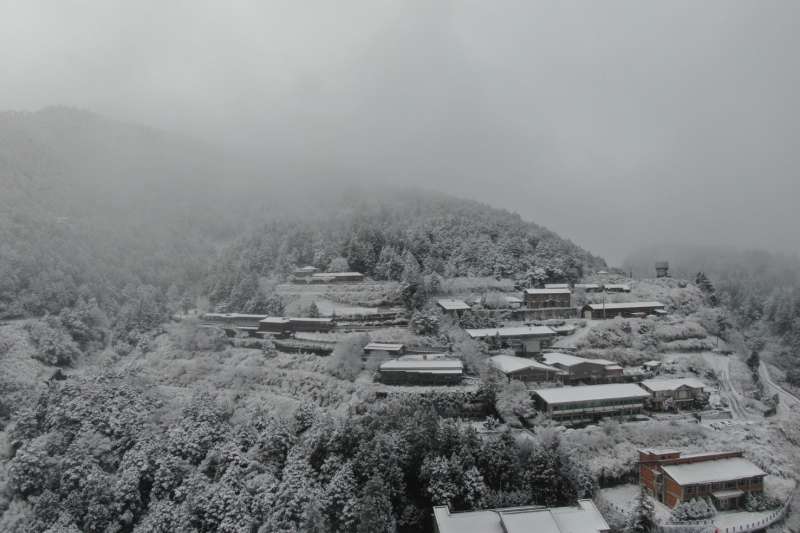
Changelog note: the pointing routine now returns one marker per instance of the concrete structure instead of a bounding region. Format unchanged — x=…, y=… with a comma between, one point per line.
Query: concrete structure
x=624, y=309
x=672, y=477
x=336, y=277
x=385, y=348
x=452, y=306
x=582, y=518
x=582, y=370
x=591, y=402
x=675, y=393
x=525, y=370
x=662, y=269
x=548, y=298
x=421, y=372
x=523, y=339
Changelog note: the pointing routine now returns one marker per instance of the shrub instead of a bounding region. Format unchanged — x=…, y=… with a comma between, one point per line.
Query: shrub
x=53, y=345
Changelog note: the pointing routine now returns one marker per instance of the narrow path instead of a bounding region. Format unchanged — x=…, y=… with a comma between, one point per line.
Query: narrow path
x=733, y=397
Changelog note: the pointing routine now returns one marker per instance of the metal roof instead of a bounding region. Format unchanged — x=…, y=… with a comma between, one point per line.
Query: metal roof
x=513, y=331
x=582, y=518
x=509, y=364
x=625, y=305
x=556, y=285
x=384, y=346
x=717, y=470
x=451, y=304
x=548, y=291
x=672, y=384
x=591, y=392
x=423, y=365
x=565, y=359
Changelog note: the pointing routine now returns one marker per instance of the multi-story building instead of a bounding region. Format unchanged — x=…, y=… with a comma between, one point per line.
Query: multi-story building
x=422, y=371
x=548, y=298
x=672, y=477
x=675, y=393
x=523, y=339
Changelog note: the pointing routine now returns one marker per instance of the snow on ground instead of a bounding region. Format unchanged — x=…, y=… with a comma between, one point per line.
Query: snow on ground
x=571, y=341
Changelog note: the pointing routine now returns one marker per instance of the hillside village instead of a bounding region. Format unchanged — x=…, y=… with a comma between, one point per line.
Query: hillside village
x=640, y=363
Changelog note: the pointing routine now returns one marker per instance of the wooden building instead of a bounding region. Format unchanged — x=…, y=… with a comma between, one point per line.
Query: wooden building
x=232, y=320
x=582, y=370
x=525, y=370
x=680, y=393
x=662, y=269
x=581, y=518
x=392, y=349
x=589, y=287
x=452, y=306
x=523, y=339
x=548, y=298
x=305, y=272
x=616, y=287
x=672, y=477
x=591, y=402
x=336, y=277
x=421, y=372
x=599, y=311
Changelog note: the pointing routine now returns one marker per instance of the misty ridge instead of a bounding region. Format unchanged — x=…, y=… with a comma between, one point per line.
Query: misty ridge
x=399, y=267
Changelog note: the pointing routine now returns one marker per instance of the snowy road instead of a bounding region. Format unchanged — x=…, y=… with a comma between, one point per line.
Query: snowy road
x=787, y=399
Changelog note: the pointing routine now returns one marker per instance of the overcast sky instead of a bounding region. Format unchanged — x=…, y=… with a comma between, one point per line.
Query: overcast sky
x=615, y=123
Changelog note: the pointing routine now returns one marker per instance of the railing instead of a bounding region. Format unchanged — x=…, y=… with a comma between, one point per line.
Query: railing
x=770, y=519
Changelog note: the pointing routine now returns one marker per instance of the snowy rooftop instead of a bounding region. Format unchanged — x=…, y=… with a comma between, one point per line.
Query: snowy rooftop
x=617, y=286
x=436, y=365
x=513, y=299
x=451, y=304
x=509, y=363
x=587, y=285
x=565, y=359
x=583, y=518
x=556, y=285
x=713, y=471
x=591, y=392
x=209, y=316
x=672, y=384
x=336, y=274
x=384, y=346
x=625, y=305
x=275, y=320
x=513, y=331
x=548, y=291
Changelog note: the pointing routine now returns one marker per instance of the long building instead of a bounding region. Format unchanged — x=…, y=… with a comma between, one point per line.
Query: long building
x=672, y=477
x=677, y=393
x=599, y=311
x=590, y=402
x=525, y=370
x=582, y=370
x=582, y=518
x=523, y=339
x=279, y=325
x=421, y=372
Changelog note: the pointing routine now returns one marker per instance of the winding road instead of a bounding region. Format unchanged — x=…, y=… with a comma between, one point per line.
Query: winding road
x=787, y=399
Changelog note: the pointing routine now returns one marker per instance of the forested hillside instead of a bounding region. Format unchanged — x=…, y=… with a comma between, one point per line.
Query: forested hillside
x=116, y=417
x=760, y=289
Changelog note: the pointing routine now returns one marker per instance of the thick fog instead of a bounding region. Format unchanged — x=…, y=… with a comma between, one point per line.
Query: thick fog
x=616, y=124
